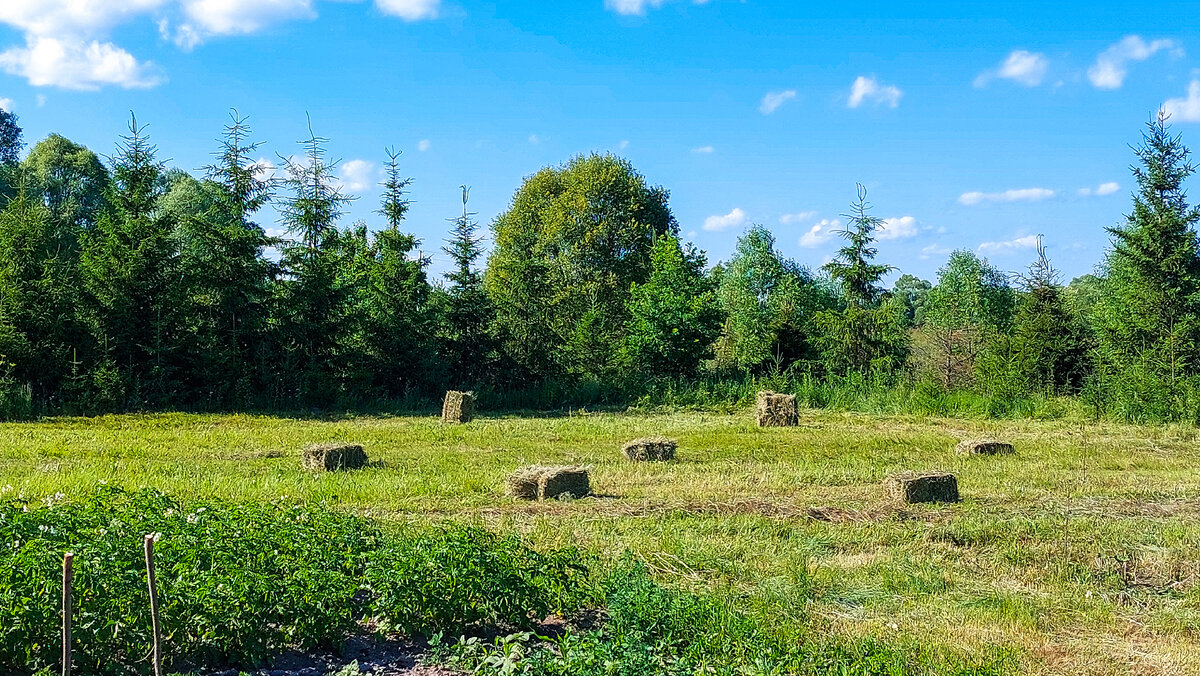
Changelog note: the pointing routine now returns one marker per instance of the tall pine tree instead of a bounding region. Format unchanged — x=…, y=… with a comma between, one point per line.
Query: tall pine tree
x=1148, y=320
x=464, y=310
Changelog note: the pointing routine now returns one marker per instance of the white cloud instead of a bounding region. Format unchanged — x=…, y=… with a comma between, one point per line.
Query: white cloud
x=867, y=89
x=424, y=144
x=819, y=233
x=1023, y=67
x=623, y=145
x=935, y=250
x=265, y=168
x=1010, y=246
x=1185, y=109
x=1022, y=195
x=638, y=7
x=703, y=150
x=410, y=10
x=1101, y=190
x=357, y=175
x=773, y=100
x=733, y=219
x=6, y=104
x=76, y=64
x=901, y=227
x=535, y=139
x=788, y=219
x=1112, y=65
x=67, y=41
x=41, y=100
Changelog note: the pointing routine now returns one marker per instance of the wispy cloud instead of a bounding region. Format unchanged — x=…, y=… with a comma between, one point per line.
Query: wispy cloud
x=820, y=233
x=788, y=219
x=733, y=219
x=424, y=144
x=1023, y=67
x=6, y=104
x=1009, y=246
x=771, y=101
x=639, y=7
x=1185, y=109
x=1021, y=195
x=1112, y=65
x=703, y=150
x=357, y=175
x=935, y=250
x=868, y=90
x=1100, y=190
x=901, y=227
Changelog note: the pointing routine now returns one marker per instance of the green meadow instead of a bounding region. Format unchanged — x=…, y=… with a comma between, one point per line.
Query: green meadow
x=1080, y=554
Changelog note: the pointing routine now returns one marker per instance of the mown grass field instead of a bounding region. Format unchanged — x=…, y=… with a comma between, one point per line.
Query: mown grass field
x=1081, y=553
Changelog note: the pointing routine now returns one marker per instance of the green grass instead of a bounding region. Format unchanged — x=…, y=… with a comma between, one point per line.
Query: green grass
x=1081, y=553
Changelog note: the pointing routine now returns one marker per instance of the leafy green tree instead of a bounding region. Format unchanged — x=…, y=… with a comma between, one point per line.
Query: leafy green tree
x=971, y=304
x=130, y=271
x=862, y=337
x=69, y=179
x=674, y=316
x=465, y=313
x=1148, y=318
x=566, y=253
x=911, y=292
x=10, y=138
x=768, y=302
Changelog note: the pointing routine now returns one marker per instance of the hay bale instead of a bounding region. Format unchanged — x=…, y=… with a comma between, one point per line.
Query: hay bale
x=984, y=447
x=912, y=487
x=548, y=483
x=523, y=483
x=557, y=482
x=333, y=456
x=651, y=448
x=458, y=407
x=777, y=410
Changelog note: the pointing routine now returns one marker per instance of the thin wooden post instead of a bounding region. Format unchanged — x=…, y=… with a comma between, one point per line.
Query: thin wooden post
x=68, y=578
x=153, y=603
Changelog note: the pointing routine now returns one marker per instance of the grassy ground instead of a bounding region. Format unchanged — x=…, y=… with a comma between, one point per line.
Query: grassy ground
x=1082, y=552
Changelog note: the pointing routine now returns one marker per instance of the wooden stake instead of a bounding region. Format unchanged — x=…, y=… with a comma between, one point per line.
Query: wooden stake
x=153, y=603
x=68, y=576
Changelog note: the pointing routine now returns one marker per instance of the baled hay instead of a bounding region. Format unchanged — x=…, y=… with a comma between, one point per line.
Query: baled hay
x=777, y=410
x=652, y=448
x=458, y=407
x=548, y=483
x=984, y=447
x=523, y=483
x=557, y=482
x=910, y=487
x=333, y=456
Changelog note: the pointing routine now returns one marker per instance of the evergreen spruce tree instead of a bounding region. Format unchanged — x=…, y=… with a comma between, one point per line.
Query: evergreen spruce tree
x=224, y=271
x=130, y=271
x=399, y=317
x=465, y=312
x=1148, y=317
x=863, y=337
x=311, y=295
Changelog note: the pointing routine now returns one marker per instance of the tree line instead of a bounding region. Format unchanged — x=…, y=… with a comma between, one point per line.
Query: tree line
x=125, y=285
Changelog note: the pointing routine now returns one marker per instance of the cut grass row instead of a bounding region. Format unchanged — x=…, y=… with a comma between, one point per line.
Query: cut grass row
x=1081, y=553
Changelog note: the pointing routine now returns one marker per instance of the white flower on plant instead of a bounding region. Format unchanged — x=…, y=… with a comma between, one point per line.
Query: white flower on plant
x=192, y=518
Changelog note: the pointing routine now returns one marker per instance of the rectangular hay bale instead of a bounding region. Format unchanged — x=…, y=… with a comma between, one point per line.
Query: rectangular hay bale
x=651, y=448
x=458, y=407
x=776, y=410
x=911, y=487
x=548, y=483
x=333, y=456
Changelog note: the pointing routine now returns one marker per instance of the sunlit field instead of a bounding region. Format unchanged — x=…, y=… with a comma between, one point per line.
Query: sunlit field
x=1080, y=554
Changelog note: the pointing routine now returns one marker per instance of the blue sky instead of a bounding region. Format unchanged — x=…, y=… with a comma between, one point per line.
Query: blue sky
x=971, y=130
